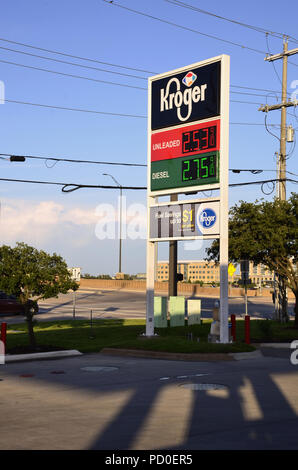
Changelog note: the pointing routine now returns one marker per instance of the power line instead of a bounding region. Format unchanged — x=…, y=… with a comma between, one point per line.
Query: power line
x=72, y=63
x=91, y=111
x=70, y=187
x=100, y=62
x=71, y=75
x=199, y=10
x=40, y=69
x=80, y=110
x=183, y=27
x=257, y=89
x=70, y=160
x=65, y=54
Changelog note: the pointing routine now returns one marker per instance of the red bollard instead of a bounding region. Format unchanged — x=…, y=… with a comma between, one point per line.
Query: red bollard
x=3, y=333
x=233, y=329
x=247, y=329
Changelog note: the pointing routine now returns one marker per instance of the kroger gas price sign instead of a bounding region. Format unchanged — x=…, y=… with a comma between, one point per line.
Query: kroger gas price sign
x=185, y=127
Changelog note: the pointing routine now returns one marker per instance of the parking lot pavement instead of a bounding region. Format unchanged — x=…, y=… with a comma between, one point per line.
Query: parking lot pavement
x=95, y=401
x=126, y=304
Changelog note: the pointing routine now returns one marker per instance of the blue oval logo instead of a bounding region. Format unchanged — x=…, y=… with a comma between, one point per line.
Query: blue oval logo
x=207, y=218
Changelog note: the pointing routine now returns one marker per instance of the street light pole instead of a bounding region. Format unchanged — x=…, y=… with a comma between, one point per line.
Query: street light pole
x=120, y=219
x=120, y=231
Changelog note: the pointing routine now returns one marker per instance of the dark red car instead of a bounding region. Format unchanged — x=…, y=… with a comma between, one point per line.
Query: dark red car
x=9, y=305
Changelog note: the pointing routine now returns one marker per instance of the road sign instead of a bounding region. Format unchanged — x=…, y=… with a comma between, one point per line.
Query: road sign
x=231, y=269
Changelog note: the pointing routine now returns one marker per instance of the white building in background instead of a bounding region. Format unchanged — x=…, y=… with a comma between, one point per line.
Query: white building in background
x=209, y=272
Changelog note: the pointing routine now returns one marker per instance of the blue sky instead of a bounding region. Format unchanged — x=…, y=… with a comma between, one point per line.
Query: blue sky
x=45, y=217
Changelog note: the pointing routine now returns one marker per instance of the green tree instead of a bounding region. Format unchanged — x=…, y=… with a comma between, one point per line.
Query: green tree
x=32, y=275
x=267, y=233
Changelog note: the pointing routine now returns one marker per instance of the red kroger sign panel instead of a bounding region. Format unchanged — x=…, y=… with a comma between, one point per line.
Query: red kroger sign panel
x=189, y=140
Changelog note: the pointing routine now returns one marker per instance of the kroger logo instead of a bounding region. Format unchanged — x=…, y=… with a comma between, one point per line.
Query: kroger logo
x=207, y=218
x=172, y=97
x=189, y=78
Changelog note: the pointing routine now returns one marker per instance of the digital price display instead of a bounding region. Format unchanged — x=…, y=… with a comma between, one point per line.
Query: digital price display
x=198, y=168
x=199, y=139
x=185, y=156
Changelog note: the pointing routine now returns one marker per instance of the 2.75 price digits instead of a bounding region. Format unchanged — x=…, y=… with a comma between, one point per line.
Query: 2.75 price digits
x=199, y=168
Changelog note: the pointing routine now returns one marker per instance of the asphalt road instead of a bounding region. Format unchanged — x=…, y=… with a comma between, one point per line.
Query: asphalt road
x=96, y=401
x=127, y=304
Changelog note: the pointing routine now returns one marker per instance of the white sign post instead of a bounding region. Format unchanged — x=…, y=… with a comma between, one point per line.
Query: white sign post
x=188, y=152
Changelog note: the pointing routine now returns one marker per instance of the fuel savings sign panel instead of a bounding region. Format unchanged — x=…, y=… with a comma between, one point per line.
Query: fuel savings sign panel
x=184, y=220
x=180, y=155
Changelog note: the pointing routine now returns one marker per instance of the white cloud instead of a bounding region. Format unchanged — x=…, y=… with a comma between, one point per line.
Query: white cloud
x=72, y=231
x=39, y=221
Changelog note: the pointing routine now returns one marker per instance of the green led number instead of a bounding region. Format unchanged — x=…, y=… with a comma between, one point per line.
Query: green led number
x=198, y=167
x=204, y=167
x=185, y=170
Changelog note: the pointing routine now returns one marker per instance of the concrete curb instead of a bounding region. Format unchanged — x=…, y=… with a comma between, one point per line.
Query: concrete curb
x=199, y=357
x=247, y=355
x=276, y=345
x=45, y=355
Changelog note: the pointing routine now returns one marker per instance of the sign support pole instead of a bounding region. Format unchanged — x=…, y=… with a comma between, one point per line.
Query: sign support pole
x=173, y=261
x=224, y=205
x=150, y=280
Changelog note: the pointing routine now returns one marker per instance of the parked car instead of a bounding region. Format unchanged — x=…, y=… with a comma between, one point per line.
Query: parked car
x=10, y=305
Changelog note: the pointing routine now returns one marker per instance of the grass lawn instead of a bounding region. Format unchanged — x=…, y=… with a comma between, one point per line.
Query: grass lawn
x=79, y=335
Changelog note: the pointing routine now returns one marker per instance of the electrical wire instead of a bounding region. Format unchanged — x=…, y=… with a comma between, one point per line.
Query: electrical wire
x=199, y=10
x=258, y=89
x=64, y=108
x=254, y=28
x=71, y=160
x=80, y=110
x=269, y=52
x=266, y=127
x=40, y=69
x=183, y=27
x=65, y=54
x=101, y=62
x=70, y=187
x=72, y=63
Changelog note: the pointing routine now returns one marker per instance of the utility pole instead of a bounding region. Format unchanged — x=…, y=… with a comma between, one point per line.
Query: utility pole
x=283, y=125
x=281, y=161
x=283, y=107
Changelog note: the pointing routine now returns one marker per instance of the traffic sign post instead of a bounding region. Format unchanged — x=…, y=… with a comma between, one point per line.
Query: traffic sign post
x=188, y=144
